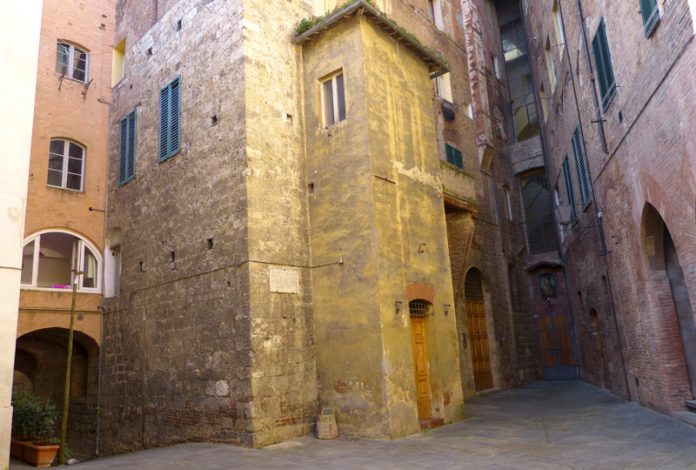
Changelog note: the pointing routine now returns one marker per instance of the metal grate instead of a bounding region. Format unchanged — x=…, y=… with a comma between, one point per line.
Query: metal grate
x=419, y=308
x=473, y=285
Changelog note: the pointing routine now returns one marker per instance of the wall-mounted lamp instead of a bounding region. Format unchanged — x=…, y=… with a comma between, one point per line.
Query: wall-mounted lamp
x=398, y=305
x=447, y=307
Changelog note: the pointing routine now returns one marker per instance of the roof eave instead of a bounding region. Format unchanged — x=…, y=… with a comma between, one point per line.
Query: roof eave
x=434, y=61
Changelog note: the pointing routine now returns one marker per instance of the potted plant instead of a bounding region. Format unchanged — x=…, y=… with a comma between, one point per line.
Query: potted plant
x=33, y=428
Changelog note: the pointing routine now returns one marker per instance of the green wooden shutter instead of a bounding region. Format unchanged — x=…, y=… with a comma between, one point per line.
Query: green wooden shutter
x=174, y=111
x=605, y=70
x=569, y=188
x=123, y=152
x=454, y=156
x=130, y=168
x=164, y=122
x=581, y=166
x=650, y=14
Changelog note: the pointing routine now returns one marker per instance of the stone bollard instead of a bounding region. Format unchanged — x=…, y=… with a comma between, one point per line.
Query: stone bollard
x=326, y=424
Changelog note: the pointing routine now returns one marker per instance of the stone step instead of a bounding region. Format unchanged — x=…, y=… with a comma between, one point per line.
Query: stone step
x=690, y=405
x=431, y=423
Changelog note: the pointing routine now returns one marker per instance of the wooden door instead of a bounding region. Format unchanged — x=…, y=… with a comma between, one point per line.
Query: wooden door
x=420, y=361
x=556, y=346
x=478, y=341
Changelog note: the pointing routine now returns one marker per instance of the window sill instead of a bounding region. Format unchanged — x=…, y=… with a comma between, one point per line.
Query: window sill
x=76, y=191
x=65, y=291
x=65, y=77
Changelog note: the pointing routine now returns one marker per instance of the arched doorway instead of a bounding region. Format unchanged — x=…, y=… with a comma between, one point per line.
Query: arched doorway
x=478, y=330
x=666, y=278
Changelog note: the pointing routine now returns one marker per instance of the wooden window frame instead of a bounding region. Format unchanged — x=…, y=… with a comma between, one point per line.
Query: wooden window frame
x=66, y=161
x=333, y=119
x=69, y=68
x=82, y=246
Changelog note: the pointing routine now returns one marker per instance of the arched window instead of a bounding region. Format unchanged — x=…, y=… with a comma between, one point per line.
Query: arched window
x=66, y=164
x=50, y=259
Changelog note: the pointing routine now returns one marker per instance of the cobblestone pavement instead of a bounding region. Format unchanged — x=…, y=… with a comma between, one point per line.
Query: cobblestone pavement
x=547, y=425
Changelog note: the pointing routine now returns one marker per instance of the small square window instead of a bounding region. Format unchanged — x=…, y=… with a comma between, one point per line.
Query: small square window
x=72, y=62
x=333, y=100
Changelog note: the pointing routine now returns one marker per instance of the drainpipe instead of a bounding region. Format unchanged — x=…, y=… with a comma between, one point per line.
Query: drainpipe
x=598, y=213
x=598, y=115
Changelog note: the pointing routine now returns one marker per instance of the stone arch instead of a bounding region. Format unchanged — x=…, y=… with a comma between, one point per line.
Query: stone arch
x=672, y=310
x=41, y=356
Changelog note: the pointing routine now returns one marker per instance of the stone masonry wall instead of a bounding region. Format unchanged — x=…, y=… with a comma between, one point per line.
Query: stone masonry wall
x=177, y=353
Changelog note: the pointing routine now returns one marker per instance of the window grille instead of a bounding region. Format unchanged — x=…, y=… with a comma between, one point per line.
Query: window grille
x=419, y=308
x=473, y=285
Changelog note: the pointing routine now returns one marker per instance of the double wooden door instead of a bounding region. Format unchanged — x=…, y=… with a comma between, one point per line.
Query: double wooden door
x=478, y=344
x=556, y=345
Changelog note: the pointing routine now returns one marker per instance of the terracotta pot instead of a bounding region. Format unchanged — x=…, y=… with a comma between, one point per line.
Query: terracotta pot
x=40, y=455
x=17, y=446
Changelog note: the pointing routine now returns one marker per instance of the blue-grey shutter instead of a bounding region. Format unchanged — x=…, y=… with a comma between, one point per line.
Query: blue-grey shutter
x=581, y=165
x=569, y=188
x=130, y=170
x=123, y=151
x=650, y=14
x=164, y=123
x=459, y=161
x=605, y=70
x=174, y=110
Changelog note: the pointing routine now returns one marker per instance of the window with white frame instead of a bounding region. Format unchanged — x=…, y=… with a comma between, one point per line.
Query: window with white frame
x=333, y=99
x=52, y=260
x=72, y=62
x=443, y=86
x=435, y=14
x=66, y=165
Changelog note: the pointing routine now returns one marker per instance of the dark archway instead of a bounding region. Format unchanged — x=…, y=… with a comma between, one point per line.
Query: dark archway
x=40, y=362
x=667, y=277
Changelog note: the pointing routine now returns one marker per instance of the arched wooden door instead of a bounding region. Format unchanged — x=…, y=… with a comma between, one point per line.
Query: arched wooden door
x=478, y=330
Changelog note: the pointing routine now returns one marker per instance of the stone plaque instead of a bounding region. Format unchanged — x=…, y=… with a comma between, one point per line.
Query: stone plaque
x=284, y=280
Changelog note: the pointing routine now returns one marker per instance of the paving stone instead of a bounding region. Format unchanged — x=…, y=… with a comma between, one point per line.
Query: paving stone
x=547, y=425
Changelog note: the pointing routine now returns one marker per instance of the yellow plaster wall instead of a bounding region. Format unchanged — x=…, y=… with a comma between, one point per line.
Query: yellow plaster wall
x=345, y=298
x=377, y=196
x=410, y=226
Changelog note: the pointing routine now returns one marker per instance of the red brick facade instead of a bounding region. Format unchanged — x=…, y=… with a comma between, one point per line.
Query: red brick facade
x=644, y=182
